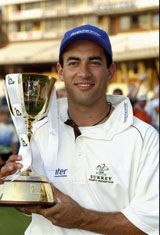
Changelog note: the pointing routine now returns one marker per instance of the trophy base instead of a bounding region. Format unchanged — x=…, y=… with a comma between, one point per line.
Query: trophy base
x=26, y=191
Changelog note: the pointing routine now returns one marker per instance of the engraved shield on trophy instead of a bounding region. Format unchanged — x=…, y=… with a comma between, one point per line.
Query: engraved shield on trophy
x=28, y=96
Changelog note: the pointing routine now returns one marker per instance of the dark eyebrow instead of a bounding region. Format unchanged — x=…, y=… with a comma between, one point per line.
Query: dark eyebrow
x=72, y=58
x=78, y=59
x=95, y=58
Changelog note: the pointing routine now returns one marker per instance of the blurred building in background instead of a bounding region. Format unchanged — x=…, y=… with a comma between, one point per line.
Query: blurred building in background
x=35, y=28
x=3, y=34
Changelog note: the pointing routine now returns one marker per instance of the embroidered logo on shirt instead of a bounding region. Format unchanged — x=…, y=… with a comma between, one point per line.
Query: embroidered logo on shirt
x=60, y=172
x=101, y=174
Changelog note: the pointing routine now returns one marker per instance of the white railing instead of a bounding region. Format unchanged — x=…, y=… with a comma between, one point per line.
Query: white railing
x=121, y=5
x=132, y=45
x=21, y=36
x=146, y=3
x=8, y=2
x=80, y=9
x=58, y=11
x=133, y=41
x=25, y=14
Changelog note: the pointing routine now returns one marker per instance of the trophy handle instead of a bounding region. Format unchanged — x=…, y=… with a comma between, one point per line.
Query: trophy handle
x=8, y=101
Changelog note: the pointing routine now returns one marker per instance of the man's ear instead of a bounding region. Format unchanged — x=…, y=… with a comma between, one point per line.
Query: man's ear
x=59, y=71
x=111, y=71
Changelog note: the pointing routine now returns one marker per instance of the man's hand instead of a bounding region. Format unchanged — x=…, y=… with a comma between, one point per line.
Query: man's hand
x=65, y=213
x=11, y=166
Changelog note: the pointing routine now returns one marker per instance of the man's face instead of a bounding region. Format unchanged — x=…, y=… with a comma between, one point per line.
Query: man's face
x=85, y=72
x=142, y=103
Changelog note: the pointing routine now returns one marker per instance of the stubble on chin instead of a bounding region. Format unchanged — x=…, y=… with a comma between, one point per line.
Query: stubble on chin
x=82, y=99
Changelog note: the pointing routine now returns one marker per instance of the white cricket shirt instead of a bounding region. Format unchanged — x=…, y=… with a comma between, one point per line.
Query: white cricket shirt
x=111, y=167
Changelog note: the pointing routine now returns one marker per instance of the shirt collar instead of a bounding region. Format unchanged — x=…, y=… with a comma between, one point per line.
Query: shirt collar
x=120, y=119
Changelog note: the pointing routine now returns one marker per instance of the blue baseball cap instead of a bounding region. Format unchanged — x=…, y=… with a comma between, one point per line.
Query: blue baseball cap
x=87, y=32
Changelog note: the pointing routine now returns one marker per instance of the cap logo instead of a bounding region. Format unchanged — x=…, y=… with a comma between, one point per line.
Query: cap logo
x=85, y=31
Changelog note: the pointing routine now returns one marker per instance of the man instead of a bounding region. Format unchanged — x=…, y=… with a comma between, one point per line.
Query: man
x=152, y=108
x=104, y=164
x=117, y=91
x=139, y=108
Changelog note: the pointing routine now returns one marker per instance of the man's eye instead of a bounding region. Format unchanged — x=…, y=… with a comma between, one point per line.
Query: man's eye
x=95, y=62
x=72, y=63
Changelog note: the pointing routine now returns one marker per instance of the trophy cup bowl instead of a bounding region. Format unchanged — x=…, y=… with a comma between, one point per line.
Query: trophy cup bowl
x=29, y=188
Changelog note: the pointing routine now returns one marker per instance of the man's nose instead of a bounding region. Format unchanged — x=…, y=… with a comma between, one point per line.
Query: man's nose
x=84, y=70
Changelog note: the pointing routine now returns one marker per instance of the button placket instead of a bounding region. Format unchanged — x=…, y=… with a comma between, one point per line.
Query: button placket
x=79, y=162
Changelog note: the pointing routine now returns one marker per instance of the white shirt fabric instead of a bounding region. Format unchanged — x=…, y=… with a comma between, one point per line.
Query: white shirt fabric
x=111, y=167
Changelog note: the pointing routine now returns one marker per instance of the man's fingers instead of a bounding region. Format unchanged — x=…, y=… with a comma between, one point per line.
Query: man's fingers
x=1, y=180
x=23, y=210
x=14, y=158
x=10, y=168
x=29, y=210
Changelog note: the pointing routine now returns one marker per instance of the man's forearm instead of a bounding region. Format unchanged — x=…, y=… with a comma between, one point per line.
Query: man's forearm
x=108, y=223
x=67, y=213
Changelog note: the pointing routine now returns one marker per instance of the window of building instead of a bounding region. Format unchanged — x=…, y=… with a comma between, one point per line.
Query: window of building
x=51, y=4
x=73, y=3
x=14, y=27
x=91, y=20
x=143, y=21
x=125, y=22
x=17, y=8
x=155, y=20
x=52, y=25
x=73, y=22
x=32, y=5
x=32, y=26
x=135, y=21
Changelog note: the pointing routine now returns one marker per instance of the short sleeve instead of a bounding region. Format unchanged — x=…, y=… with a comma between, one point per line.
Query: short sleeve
x=143, y=210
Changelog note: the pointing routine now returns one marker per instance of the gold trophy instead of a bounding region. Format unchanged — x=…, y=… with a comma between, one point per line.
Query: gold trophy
x=28, y=97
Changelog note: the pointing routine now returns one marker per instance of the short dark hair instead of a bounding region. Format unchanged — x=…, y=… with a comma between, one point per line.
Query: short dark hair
x=118, y=91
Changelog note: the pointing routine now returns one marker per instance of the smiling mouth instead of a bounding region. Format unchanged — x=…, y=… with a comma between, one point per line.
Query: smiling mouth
x=84, y=86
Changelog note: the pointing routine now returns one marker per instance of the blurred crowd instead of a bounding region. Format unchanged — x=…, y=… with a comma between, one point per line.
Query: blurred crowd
x=8, y=138
x=146, y=109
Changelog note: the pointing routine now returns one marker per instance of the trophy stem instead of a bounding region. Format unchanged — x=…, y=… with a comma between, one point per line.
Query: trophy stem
x=28, y=123
x=26, y=172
